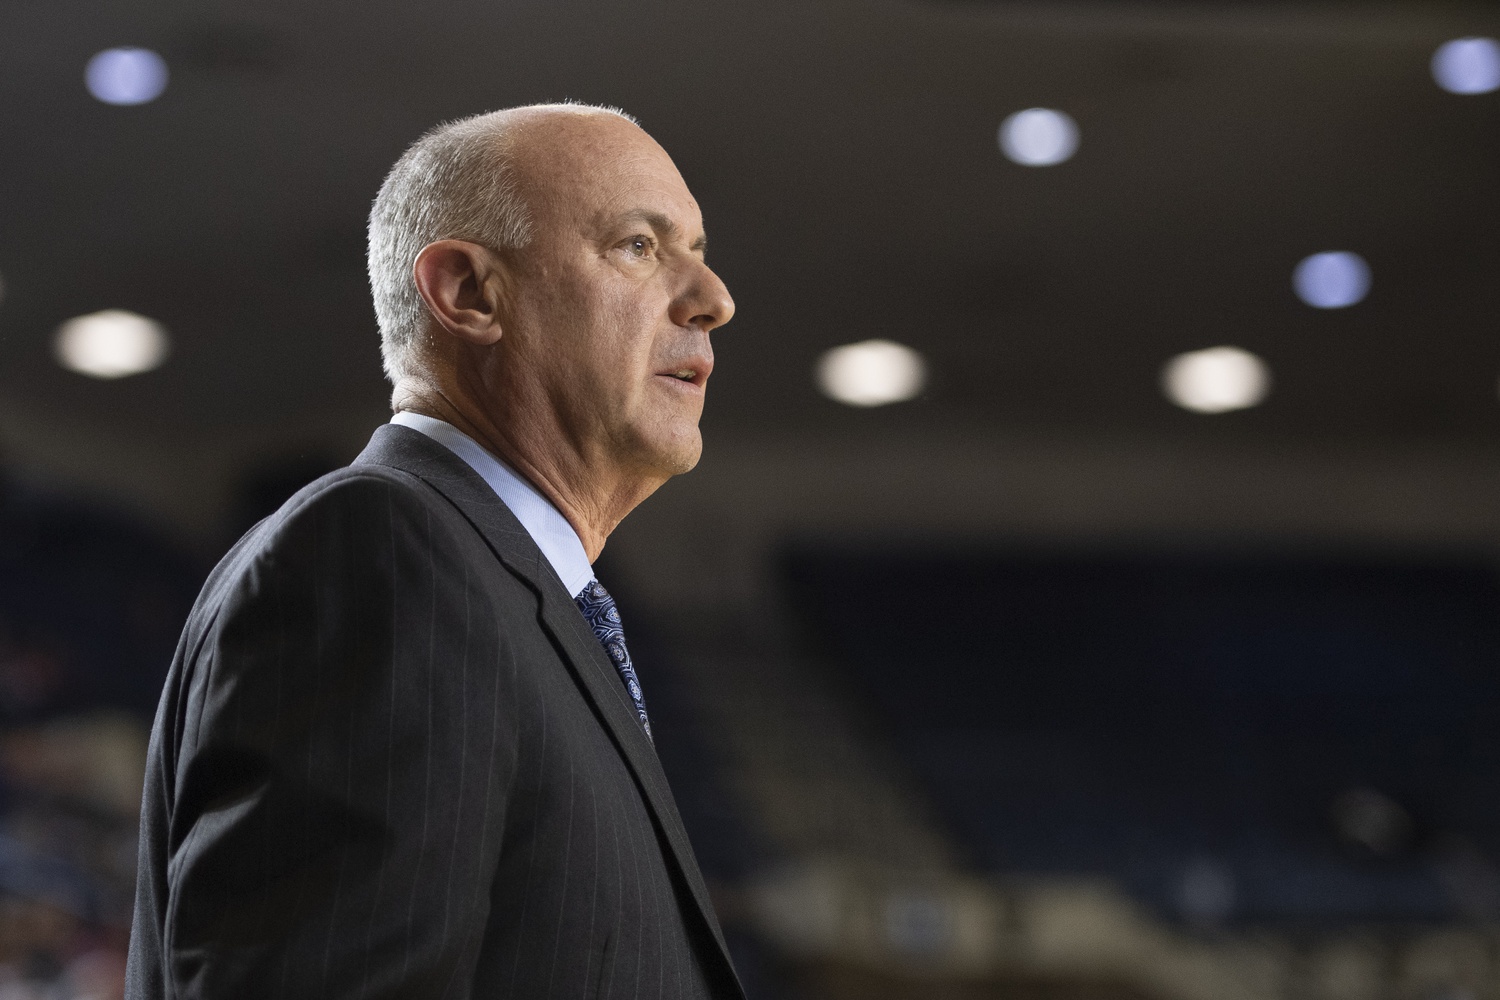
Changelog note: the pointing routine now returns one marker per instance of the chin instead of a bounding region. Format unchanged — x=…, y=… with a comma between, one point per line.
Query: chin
x=680, y=454
x=662, y=448
x=685, y=460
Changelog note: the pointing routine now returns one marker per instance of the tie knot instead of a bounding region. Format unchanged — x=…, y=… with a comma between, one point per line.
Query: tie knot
x=598, y=608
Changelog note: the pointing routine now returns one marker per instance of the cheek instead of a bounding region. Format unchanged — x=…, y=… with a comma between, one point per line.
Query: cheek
x=604, y=332
x=628, y=328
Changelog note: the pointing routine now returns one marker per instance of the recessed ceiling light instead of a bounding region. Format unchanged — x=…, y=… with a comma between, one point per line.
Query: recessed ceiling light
x=126, y=76
x=1332, y=280
x=871, y=373
x=1039, y=137
x=1467, y=66
x=111, y=344
x=1216, y=380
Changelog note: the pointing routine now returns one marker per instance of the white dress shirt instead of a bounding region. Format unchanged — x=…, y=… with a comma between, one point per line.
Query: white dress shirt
x=546, y=525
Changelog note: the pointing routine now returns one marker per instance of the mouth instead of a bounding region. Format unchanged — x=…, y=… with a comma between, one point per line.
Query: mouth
x=693, y=372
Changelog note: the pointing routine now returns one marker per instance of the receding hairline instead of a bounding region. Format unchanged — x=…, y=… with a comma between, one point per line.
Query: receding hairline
x=561, y=108
x=508, y=125
x=520, y=154
x=530, y=141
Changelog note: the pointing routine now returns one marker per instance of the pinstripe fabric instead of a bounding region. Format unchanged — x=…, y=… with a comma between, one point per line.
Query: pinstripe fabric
x=391, y=760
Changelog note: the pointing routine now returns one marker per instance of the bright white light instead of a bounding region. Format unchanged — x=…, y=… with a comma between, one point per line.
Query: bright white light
x=1038, y=137
x=871, y=373
x=1216, y=380
x=126, y=76
x=1467, y=66
x=1332, y=280
x=111, y=344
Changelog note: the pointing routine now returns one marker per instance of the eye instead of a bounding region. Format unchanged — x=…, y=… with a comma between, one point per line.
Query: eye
x=641, y=246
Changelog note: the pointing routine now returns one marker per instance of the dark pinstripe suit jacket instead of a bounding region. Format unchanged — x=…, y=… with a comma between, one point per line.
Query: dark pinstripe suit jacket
x=392, y=760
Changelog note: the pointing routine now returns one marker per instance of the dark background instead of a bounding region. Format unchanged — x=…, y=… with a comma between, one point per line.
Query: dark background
x=1034, y=686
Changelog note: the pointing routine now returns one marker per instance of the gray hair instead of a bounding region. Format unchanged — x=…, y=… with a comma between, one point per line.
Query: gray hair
x=455, y=183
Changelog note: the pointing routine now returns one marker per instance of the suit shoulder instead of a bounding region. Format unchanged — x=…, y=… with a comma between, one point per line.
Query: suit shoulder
x=346, y=492
x=351, y=503
x=358, y=485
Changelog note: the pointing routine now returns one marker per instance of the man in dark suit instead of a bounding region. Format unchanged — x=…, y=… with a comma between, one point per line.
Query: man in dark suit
x=403, y=750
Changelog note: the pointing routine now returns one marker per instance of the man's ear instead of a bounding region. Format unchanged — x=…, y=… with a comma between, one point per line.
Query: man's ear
x=459, y=282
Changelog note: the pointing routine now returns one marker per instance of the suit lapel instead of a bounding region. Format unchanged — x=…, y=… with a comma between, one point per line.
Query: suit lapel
x=411, y=451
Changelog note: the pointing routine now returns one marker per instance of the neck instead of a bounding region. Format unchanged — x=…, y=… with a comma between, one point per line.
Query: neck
x=593, y=497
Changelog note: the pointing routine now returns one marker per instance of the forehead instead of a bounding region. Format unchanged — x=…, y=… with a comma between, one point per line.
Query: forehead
x=587, y=171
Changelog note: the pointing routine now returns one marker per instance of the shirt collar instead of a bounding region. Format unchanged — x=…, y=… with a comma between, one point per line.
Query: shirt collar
x=542, y=521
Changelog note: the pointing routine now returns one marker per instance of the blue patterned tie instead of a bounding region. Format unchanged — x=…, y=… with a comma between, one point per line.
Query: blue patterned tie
x=604, y=618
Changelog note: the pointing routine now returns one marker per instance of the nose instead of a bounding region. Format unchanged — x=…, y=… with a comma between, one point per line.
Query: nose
x=704, y=303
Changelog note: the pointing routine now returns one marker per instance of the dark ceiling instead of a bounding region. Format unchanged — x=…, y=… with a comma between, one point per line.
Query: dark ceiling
x=845, y=156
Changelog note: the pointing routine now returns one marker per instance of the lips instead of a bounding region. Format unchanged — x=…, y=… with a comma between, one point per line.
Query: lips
x=694, y=370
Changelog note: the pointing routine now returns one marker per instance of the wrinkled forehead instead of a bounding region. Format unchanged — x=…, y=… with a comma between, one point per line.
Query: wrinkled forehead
x=583, y=171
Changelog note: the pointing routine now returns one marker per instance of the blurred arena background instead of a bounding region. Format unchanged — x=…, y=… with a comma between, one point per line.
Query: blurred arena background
x=1118, y=618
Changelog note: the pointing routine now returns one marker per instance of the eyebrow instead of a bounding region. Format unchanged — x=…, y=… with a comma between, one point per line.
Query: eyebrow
x=666, y=227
